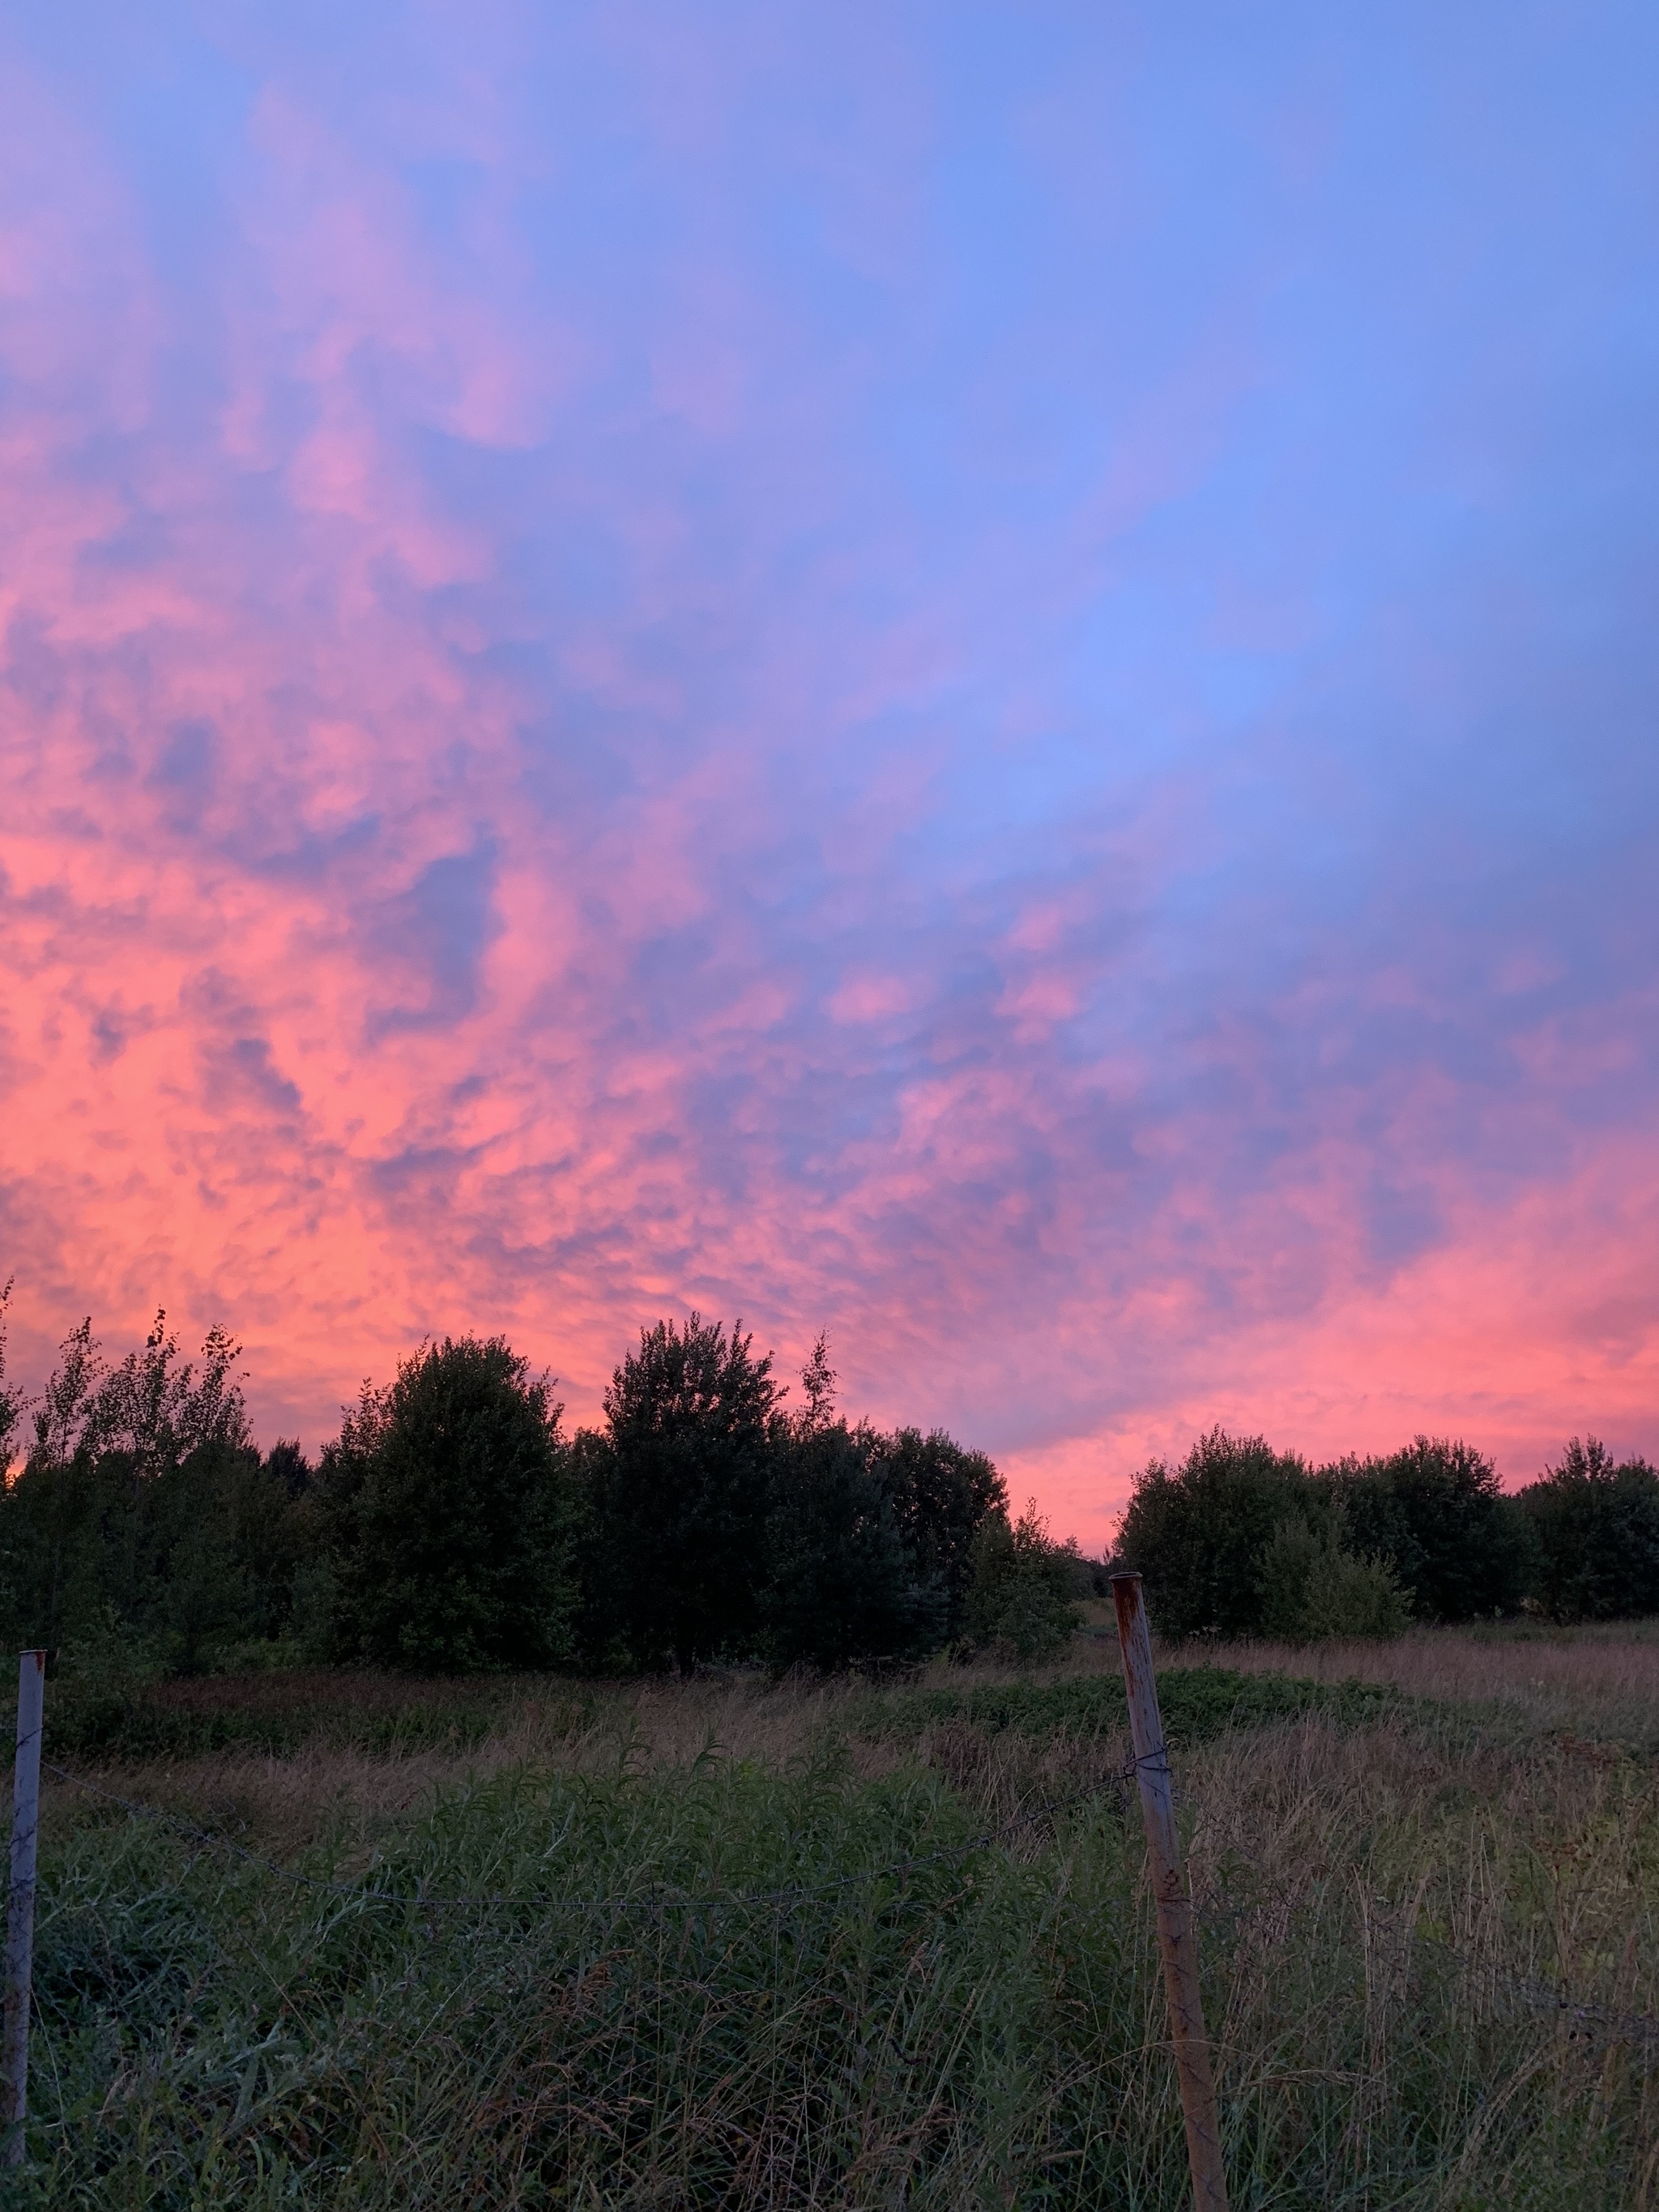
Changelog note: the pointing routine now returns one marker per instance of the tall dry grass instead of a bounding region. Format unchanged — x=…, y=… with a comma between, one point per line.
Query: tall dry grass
x=1601, y=1681
x=1385, y=1910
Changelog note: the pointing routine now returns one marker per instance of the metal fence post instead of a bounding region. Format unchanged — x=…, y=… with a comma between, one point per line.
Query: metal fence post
x=20, y=1918
x=1177, y=1936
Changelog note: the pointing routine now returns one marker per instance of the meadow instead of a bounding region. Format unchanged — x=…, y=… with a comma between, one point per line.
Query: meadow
x=735, y=1941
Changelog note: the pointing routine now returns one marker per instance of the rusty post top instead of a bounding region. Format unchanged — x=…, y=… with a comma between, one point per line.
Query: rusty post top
x=1130, y=1607
x=1125, y=1575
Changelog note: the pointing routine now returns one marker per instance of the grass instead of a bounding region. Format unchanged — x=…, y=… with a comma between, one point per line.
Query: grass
x=1601, y=1682
x=756, y=1949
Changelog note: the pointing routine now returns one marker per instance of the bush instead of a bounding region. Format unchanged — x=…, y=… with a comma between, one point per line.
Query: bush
x=1311, y=1589
x=447, y=1503
x=1597, y=1530
x=1023, y=1595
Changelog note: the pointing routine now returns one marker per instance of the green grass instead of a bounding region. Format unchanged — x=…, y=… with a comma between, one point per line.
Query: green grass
x=1197, y=1704
x=279, y=1712
x=633, y=2017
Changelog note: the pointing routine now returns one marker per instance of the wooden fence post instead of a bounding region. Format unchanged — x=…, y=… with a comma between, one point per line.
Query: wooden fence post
x=20, y=1917
x=1177, y=1936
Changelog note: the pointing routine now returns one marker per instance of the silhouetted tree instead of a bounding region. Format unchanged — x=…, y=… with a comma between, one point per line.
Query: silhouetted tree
x=287, y=1464
x=447, y=1504
x=817, y=1382
x=1025, y=1587
x=843, y=1585
x=676, y=1498
x=11, y=1403
x=1597, y=1529
x=1436, y=1511
x=138, y=1505
x=1197, y=1532
x=942, y=1496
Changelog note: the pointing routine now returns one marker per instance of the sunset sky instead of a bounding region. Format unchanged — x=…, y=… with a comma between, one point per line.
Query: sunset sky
x=983, y=676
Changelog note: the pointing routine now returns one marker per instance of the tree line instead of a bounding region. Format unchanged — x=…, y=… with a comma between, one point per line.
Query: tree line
x=1241, y=1539
x=453, y=1523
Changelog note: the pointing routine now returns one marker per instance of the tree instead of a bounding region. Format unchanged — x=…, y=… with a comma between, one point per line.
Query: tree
x=446, y=1503
x=678, y=1492
x=1436, y=1511
x=817, y=1382
x=11, y=1403
x=1597, y=1529
x=842, y=1584
x=287, y=1464
x=1024, y=1589
x=942, y=1497
x=1197, y=1533
x=137, y=1502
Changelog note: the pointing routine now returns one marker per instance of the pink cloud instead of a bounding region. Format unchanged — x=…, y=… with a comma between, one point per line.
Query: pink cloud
x=513, y=815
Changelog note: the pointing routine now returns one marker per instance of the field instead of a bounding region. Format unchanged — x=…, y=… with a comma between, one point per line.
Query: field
x=737, y=1943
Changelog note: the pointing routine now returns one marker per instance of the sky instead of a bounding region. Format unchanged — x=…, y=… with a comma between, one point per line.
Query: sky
x=981, y=676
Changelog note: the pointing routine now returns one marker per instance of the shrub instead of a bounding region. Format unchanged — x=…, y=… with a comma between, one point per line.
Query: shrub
x=1311, y=1589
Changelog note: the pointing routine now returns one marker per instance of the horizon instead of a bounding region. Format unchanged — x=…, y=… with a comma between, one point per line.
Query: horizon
x=983, y=680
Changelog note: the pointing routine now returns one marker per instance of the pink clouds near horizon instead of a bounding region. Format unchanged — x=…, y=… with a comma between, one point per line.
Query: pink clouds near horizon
x=645, y=666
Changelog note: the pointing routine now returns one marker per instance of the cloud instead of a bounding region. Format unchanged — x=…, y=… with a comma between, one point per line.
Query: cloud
x=649, y=663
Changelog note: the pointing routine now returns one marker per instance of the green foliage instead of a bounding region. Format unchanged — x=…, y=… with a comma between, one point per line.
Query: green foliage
x=447, y=1510
x=1243, y=1541
x=676, y=1496
x=1311, y=1587
x=1196, y=1703
x=1197, y=1532
x=942, y=1497
x=1023, y=1595
x=1436, y=1511
x=143, y=1510
x=450, y=1527
x=1596, y=1526
x=843, y=1584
